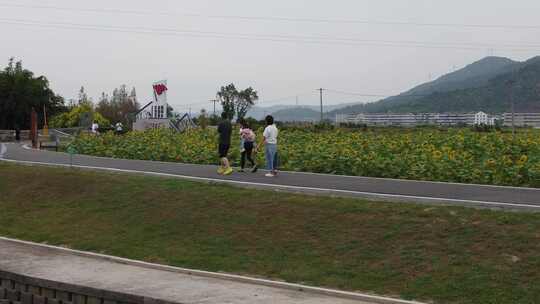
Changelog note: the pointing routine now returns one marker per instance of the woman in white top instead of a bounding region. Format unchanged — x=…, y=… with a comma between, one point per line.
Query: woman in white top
x=95, y=128
x=270, y=135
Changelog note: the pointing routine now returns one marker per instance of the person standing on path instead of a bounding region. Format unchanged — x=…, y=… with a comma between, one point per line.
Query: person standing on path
x=119, y=128
x=247, y=138
x=17, y=133
x=95, y=128
x=270, y=136
x=225, y=131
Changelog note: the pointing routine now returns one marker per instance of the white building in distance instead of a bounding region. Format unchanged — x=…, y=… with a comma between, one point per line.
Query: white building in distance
x=418, y=119
x=522, y=120
x=482, y=118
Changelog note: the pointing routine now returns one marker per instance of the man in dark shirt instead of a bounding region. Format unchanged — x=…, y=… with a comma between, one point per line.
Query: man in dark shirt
x=225, y=131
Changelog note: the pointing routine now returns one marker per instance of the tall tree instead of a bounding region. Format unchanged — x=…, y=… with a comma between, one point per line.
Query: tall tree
x=236, y=102
x=106, y=107
x=246, y=99
x=83, y=97
x=20, y=91
x=227, y=96
x=119, y=106
x=74, y=118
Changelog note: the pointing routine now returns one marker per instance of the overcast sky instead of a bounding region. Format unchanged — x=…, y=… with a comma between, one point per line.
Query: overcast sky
x=201, y=45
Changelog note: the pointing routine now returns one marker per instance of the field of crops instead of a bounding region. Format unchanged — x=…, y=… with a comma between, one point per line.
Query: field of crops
x=455, y=155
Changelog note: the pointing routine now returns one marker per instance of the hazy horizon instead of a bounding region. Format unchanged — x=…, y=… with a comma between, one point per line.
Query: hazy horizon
x=280, y=48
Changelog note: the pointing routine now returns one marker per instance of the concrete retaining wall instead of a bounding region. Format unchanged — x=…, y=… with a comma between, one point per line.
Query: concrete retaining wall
x=20, y=289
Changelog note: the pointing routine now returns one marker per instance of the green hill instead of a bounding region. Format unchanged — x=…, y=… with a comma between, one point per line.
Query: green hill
x=481, y=86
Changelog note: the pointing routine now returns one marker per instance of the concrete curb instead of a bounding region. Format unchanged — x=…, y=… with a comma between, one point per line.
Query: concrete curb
x=390, y=198
x=222, y=276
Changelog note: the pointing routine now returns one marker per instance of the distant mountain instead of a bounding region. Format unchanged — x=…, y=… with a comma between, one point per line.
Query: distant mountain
x=293, y=113
x=297, y=114
x=474, y=75
x=259, y=112
x=479, y=86
x=494, y=97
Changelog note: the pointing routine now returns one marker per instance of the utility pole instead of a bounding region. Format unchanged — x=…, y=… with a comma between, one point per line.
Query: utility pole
x=297, y=101
x=34, y=129
x=513, y=116
x=510, y=84
x=214, y=101
x=45, y=125
x=322, y=118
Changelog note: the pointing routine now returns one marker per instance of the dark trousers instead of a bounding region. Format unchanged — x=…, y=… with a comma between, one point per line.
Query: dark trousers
x=248, y=151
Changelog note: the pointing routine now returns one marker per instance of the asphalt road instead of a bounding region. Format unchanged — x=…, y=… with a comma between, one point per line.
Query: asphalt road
x=364, y=187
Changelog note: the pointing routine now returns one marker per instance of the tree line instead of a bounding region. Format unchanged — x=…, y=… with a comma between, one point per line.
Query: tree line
x=119, y=107
x=21, y=91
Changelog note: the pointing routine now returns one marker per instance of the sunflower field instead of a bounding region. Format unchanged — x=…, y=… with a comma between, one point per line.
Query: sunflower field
x=454, y=155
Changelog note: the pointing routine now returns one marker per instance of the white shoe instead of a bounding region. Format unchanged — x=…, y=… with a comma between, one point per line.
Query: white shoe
x=269, y=175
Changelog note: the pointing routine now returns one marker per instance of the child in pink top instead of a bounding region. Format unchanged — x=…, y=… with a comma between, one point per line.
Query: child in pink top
x=247, y=137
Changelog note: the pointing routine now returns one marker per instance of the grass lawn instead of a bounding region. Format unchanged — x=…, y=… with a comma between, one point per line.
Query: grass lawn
x=440, y=254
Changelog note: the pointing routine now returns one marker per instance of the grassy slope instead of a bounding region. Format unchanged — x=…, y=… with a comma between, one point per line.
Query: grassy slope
x=450, y=255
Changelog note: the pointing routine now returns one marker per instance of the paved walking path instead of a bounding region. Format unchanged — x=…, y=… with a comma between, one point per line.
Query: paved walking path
x=370, y=188
x=160, y=282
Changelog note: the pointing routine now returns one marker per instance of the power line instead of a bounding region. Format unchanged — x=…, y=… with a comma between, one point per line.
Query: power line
x=357, y=94
x=281, y=99
x=276, y=100
x=277, y=19
x=256, y=37
x=376, y=95
x=214, y=101
x=189, y=105
x=91, y=10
